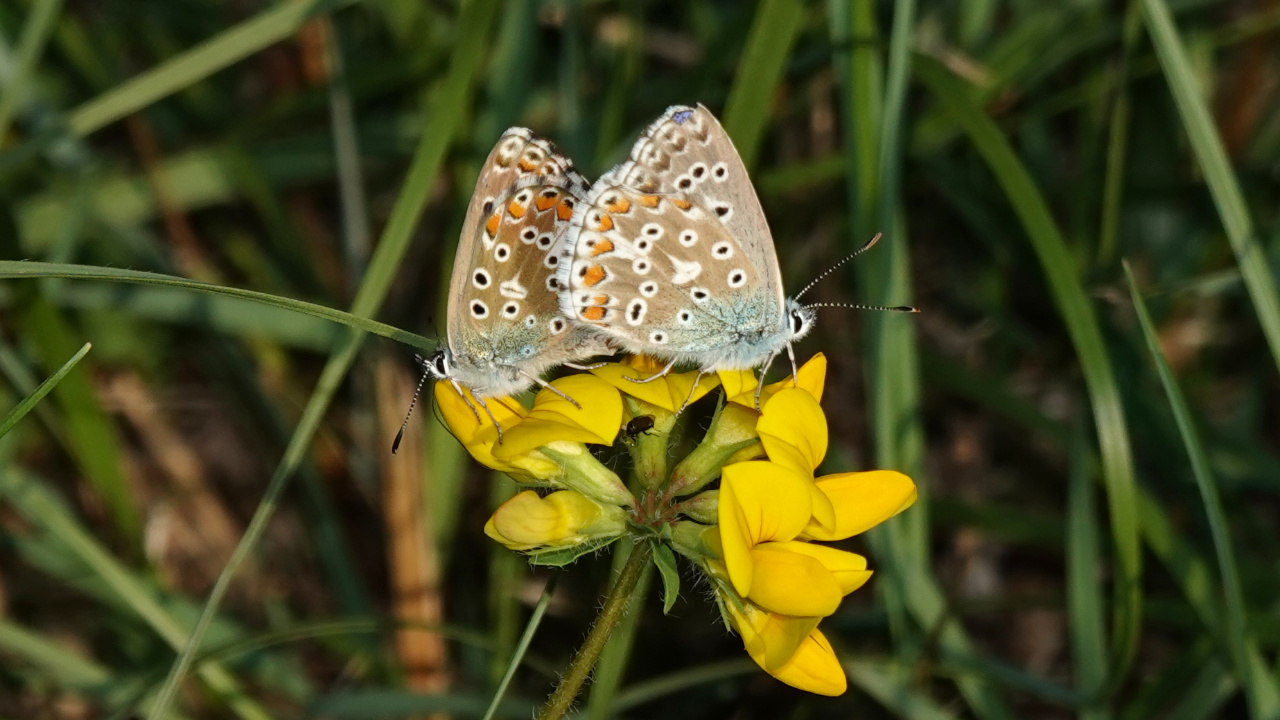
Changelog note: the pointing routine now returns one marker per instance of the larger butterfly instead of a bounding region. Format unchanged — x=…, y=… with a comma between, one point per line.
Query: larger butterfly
x=671, y=256
x=505, y=327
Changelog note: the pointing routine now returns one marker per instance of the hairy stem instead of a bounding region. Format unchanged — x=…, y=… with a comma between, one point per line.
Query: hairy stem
x=615, y=605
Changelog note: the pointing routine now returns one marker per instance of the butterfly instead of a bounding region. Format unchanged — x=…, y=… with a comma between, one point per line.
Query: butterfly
x=670, y=254
x=505, y=327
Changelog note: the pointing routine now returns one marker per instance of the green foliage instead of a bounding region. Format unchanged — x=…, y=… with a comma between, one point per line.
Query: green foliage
x=199, y=519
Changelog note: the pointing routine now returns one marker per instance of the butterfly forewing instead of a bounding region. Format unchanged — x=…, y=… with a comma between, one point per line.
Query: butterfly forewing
x=503, y=308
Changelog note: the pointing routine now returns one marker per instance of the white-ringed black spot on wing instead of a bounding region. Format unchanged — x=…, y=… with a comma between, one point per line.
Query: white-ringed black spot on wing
x=684, y=316
x=636, y=310
x=557, y=325
x=480, y=278
x=688, y=238
x=720, y=172
x=487, y=207
x=698, y=171
x=642, y=245
x=699, y=294
x=551, y=260
x=509, y=150
x=723, y=210
x=524, y=196
x=530, y=321
x=649, y=288
x=657, y=337
x=502, y=252
x=511, y=309
x=737, y=278
x=640, y=266
x=549, y=193
x=684, y=182
x=652, y=230
x=544, y=241
x=528, y=235
x=552, y=283
x=479, y=310
x=722, y=250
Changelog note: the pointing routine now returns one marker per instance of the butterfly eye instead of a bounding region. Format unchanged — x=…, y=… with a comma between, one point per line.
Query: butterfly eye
x=797, y=323
x=480, y=279
x=737, y=278
x=441, y=367
x=479, y=310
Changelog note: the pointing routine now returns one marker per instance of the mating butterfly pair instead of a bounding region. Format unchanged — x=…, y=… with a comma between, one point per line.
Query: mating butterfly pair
x=667, y=255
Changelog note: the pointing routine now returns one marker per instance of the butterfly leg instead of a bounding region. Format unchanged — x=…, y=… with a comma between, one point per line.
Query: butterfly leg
x=592, y=366
x=760, y=383
x=689, y=398
x=651, y=378
x=464, y=397
x=552, y=388
x=795, y=382
x=489, y=412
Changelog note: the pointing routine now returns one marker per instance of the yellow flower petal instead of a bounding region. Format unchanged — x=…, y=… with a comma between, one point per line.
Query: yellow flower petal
x=474, y=426
x=814, y=668
x=861, y=501
x=561, y=519
x=794, y=430
x=667, y=392
x=769, y=638
x=759, y=502
x=792, y=583
x=740, y=386
x=848, y=570
x=554, y=418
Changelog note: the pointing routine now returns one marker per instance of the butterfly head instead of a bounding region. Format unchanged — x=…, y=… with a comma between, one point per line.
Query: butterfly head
x=799, y=320
x=439, y=365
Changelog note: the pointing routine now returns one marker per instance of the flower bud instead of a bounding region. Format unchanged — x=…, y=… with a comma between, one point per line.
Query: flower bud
x=732, y=435
x=559, y=520
x=702, y=507
x=580, y=470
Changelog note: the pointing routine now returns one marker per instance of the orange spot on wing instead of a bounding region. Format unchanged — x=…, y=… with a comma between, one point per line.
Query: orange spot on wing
x=651, y=201
x=682, y=204
x=622, y=206
x=491, y=227
x=606, y=223
x=594, y=313
x=594, y=275
x=516, y=210
x=601, y=247
x=564, y=210
x=527, y=166
x=544, y=203
x=600, y=299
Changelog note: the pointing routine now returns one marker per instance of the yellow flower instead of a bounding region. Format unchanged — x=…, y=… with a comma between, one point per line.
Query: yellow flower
x=544, y=445
x=791, y=649
x=668, y=392
x=740, y=385
x=561, y=519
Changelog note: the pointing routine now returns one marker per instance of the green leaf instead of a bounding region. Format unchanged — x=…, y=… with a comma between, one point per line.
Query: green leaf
x=38, y=394
x=665, y=561
x=1224, y=186
x=1078, y=314
x=1261, y=691
x=560, y=557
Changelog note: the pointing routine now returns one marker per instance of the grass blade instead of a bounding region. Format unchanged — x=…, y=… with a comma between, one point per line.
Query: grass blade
x=746, y=112
x=1261, y=692
x=531, y=629
x=1084, y=596
x=192, y=66
x=24, y=269
x=1221, y=179
x=35, y=33
x=443, y=124
x=38, y=394
x=1082, y=325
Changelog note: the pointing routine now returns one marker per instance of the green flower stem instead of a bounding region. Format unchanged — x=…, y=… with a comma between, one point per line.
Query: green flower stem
x=615, y=606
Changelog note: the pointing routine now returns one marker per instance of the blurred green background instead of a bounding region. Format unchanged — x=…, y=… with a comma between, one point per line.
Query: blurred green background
x=1097, y=534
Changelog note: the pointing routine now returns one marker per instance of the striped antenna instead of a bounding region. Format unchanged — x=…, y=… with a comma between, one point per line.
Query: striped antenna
x=395, y=444
x=832, y=269
x=851, y=306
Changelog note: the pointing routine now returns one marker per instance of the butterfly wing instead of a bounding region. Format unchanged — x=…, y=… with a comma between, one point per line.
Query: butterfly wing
x=670, y=252
x=503, y=309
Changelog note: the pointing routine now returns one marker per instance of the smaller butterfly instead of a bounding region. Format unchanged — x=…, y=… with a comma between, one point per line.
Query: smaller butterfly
x=504, y=324
x=670, y=255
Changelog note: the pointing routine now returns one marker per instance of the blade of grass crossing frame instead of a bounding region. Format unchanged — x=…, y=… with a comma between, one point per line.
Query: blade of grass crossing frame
x=1082, y=326
x=1084, y=595
x=439, y=132
x=1263, y=697
x=26, y=269
x=29, y=402
x=1223, y=184
x=35, y=32
x=530, y=629
x=747, y=110
x=194, y=65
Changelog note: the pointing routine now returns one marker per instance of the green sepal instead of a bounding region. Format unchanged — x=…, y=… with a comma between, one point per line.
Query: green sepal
x=665, y=560
x=559, y=557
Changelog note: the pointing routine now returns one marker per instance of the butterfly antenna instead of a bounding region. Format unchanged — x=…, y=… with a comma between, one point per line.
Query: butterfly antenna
x=851, y=306
x=395, y=444
x=833, y=268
